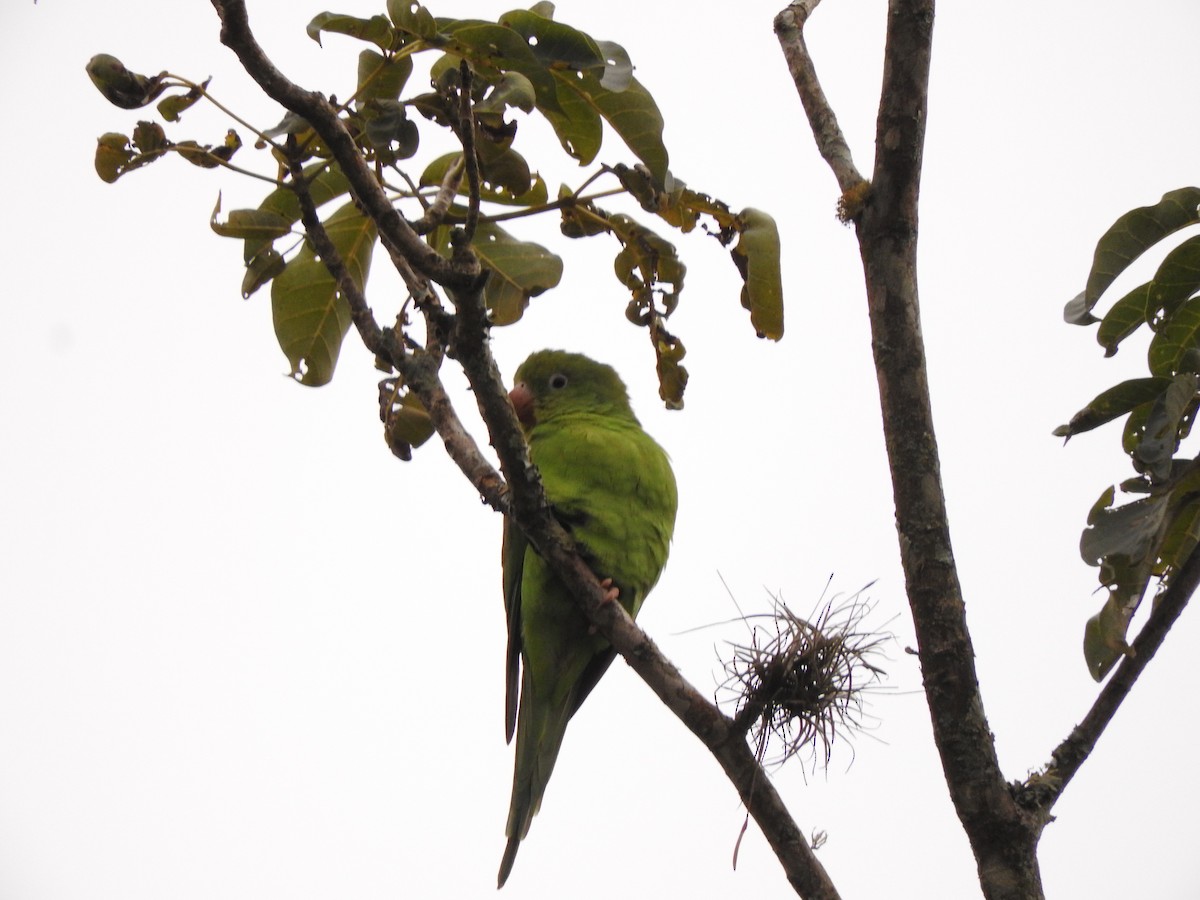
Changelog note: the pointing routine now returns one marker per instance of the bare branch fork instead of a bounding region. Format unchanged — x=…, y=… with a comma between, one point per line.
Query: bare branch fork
x=519, y=492
x=1003, y=822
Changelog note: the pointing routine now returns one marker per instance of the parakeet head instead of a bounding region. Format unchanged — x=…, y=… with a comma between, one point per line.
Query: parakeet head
x=553, y=382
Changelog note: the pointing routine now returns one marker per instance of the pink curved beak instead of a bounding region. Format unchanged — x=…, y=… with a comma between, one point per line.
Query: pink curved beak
x=522, y=400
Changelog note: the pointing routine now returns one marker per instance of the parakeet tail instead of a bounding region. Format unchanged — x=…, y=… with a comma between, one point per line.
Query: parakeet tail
x=506, y=863
x=540, y=730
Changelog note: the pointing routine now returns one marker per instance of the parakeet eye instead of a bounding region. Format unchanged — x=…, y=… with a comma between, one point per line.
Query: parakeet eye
x=558, y=381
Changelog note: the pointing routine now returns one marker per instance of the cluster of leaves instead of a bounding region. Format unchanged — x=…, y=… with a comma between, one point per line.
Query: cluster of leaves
x=1154, y=535
x=524, y=61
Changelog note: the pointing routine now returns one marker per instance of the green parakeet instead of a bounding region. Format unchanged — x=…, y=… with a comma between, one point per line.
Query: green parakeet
x=612, y=488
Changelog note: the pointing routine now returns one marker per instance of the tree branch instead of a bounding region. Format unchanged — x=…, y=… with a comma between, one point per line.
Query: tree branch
x=466, y=136
x=435, y=213
x=789, y=28
x=1003, y=836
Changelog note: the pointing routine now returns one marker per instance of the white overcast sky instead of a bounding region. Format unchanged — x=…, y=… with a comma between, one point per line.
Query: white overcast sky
x=244, y=653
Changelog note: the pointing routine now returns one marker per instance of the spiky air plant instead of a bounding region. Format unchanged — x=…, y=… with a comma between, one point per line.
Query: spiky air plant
x=799, y=683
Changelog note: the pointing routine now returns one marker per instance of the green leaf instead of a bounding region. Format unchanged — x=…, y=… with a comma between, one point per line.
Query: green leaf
x=1126, y=316
x=1130, y=236
x=1124, y=542
x=1177, y=279
x=503, y=169
x=1113, y=403
x=1182, y=537
x=512, y=90
x=113, y=156
x=380, y=78
x=672, y=377
x=576, y=122
x=757, y=256
x=407, y=425
x=250, y=224
x=618, y=68
x=499, y=186
x=390, y=132
x=377, y=29
x=518, y=270
x=1135, y=427
x=412, y=19
x=1104, y=642
x=1178, y=335
x=117, y=154
x=120, y=86
x=490, y=46
x=203, y=156
x=171, y=107
x=632, y=113
x=310, y=314
x=647, y=263
x=149, y=138
x=1156, y=449
x=325, y=182
x=555, y=45
x=261, y=269
x=1129, y=531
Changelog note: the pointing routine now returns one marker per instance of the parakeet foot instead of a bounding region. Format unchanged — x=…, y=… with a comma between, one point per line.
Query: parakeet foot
x=611, y=593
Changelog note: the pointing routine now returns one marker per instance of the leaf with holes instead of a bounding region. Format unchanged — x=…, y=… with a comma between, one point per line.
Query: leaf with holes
x=1167, y=418
x=1176, y=337
x=1177, y=279
x=1123, y=542
x=504, y=175
x=310, y=314
x=412, y=19
x=518, y=270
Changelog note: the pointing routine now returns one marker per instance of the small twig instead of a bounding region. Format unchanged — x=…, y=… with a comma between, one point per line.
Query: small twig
x=435, y=212
x=225, y=164
x=564, y=203
x=466, y=134
x=202, y=90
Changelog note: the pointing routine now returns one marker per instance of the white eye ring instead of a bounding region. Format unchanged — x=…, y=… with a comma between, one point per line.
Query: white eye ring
x=558, y=381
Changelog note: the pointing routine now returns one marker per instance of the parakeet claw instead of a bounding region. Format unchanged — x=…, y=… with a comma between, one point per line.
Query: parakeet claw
x=611, y=593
